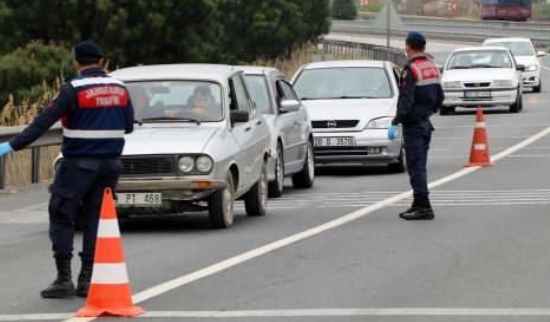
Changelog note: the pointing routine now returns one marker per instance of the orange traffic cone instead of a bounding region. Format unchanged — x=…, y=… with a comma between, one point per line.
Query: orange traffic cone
x=110, y=292
x=479, y=153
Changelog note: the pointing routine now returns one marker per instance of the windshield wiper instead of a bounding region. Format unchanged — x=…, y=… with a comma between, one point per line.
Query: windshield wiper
x=169, y=119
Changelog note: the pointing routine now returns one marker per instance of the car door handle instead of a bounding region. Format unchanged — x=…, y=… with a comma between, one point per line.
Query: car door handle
x=247, y=129
x=259, y=122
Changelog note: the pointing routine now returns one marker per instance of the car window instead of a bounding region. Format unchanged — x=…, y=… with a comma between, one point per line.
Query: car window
x=288, y=91
x=199, y=100
x=259, y=91
x=518, y=48
x=480, y=59
x=343, y=83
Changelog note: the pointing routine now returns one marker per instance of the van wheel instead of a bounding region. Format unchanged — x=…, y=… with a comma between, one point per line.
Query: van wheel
x=399, y=166
x=220, y=205
x=537, y=89
x=518, y=105
x=305, y=178
x=276, y=186
x=255, y=200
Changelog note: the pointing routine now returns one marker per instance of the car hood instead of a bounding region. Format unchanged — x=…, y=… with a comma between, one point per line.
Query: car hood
x=168, y=140
x=478, y=74
x=527, y=60
x=348, y=109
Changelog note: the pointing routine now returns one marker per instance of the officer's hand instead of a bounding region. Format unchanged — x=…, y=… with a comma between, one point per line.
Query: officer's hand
x=5, y=148
x=393, y=132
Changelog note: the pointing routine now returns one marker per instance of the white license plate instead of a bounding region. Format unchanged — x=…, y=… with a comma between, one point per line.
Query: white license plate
x=477, y=94
x=147, y=199
x=335, y=141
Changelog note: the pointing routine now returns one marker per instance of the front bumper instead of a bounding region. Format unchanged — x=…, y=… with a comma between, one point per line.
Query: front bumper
x=179, y=189
x=530, y=78
x=454, y=98
x=371, y=147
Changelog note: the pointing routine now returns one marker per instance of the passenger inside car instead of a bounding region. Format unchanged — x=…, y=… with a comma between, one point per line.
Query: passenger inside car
x=203, y=105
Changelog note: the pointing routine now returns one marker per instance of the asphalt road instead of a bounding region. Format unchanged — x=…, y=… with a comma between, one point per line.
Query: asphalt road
x=337, y=252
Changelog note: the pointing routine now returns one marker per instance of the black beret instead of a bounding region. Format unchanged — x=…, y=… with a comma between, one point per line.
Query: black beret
x=87, y=52
x=416, y=38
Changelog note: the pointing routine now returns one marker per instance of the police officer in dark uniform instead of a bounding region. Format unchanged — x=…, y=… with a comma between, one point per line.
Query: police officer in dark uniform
x=96, y=112
x=420, y=96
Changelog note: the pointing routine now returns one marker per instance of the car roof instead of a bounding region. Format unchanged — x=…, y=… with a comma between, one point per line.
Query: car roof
x=209, y=72
x=479, y=48
x=256, y=70
x=507, y=39
x=345, y=63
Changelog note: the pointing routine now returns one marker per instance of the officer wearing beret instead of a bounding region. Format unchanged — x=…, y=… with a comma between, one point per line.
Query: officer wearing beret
x=95, y=112
x=420, y=96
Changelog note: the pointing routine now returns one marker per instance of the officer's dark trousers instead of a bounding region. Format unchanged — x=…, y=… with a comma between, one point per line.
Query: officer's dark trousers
x=417, y=143
x=77, y=192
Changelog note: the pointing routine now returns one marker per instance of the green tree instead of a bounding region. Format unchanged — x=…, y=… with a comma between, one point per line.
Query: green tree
x=344, y=9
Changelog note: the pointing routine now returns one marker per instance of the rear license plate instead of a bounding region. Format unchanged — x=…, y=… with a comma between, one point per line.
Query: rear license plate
x=477, y=94
x=147, y=199
x=335, y=141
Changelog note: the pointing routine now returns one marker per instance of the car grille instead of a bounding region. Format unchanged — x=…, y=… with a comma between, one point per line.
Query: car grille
x=153, y=165
x=477, y=85
x=334, y=124
x=341, y=150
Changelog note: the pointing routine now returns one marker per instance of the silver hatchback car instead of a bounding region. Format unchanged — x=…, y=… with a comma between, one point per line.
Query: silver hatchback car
x=288, y=120
x=200, y=143
x=351, y=105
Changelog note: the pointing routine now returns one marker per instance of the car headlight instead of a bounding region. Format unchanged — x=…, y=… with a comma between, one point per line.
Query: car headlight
x=530, y=68
x=379, y=123
x=503, y=83
x=186, y=164
x=452, y=85
x=204, y=164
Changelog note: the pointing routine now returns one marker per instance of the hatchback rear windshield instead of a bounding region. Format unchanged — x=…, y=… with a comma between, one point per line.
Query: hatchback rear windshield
x=198, y=100
x=343, y=83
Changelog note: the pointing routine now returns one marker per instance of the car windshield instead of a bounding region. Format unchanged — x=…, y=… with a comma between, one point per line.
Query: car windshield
x=156, y=101
x=480, y=59
x=257, y=85
x=343, y=83
x=518, y=48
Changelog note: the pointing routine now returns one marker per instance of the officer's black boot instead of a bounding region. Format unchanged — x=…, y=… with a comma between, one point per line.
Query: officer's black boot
x=418, y=213
x=84, y=279
x=63, y=285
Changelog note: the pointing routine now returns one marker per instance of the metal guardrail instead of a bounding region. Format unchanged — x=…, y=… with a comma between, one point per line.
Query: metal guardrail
x=52, y=137
x=356, y=50
x=450, y=29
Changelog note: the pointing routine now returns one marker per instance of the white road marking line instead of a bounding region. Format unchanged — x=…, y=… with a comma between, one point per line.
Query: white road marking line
x=29, y=208
x=329, y=312
x=544, y=67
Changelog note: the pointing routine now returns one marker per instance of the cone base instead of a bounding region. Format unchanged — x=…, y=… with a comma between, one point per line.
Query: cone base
x=479, y=164
x=90, y=311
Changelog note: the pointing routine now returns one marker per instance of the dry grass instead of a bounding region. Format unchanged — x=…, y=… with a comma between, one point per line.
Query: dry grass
x=19, y=165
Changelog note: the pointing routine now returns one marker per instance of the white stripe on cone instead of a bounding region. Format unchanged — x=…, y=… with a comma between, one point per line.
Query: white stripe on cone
x=110, y=274
x=480, y=147
x=108, y=228
x=480, y=125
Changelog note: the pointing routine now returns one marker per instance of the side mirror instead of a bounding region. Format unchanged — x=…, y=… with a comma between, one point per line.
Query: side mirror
x=541, y=53
x=288, y=106
x=239, y=116
x=520, y=67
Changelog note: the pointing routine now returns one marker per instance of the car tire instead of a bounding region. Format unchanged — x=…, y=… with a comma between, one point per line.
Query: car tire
x=255, y=200
x=537, y=89
x=306, y=177
x=220, y=205
x=276, y=186
x=518, y=105
x=399, y=166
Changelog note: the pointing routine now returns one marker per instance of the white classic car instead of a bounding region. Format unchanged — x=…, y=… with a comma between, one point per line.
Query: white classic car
x=200, y=143
x=291, y=135
x=351, y=105
x=481, y=77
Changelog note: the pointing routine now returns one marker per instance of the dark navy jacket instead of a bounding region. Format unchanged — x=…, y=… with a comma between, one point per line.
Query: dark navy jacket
x=420, y=92
x=95, y=111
